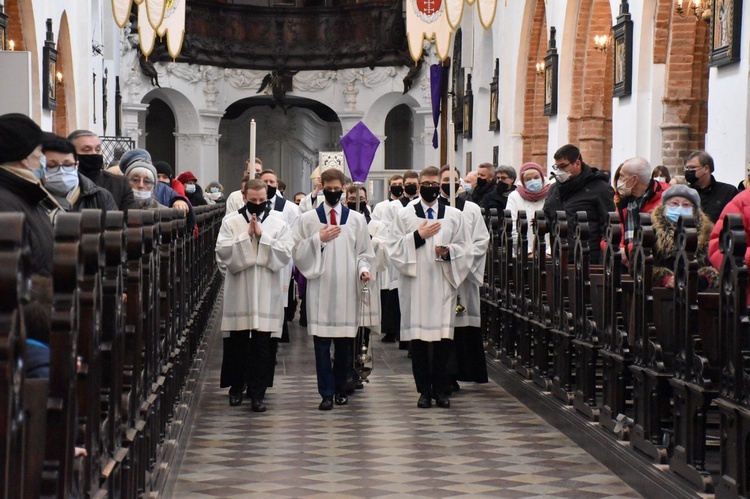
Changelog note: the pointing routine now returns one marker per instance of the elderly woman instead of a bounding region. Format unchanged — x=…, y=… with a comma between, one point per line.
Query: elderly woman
x=528, y=197
x=680, y=200
x=142, y=178
x=214, y=193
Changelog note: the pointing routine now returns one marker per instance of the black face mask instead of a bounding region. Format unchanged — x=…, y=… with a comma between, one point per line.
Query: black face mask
x=352, y=205
x=410, y=189
x=691, y=177
x=332, y=197
x=255, y=208
x=481, y=182
x=446, y=188
x=397, y=190
x=502, y=187
x=270, y=191
x=90, y=164
x=429, y=194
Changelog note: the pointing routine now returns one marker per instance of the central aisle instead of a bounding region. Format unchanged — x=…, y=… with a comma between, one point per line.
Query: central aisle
x=379, y=445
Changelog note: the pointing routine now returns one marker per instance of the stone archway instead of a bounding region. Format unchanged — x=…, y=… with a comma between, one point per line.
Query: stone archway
x=535, y=124
x=590, y=119
x=686, y=88
x=65, y=115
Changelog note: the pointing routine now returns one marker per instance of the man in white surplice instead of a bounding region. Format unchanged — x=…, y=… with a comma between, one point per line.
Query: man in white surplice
x=332, y=249
x=254, y=245
x=427, y=245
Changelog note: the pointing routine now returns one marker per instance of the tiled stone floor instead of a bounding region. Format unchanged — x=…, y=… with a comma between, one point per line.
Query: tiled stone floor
x=380, y=445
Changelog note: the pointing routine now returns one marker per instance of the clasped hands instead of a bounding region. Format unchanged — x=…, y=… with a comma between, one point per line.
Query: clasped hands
x=254, y=228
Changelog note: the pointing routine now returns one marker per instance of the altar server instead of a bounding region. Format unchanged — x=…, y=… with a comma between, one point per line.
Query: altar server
x=333, y=251
x=255, y=245
x=428, y=246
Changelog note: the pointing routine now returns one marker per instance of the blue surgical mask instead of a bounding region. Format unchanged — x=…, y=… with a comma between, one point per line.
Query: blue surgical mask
x=62, y=182
x=673, y=212
x=190, y=188
x=534, y=185
x=213, y=190
x=39, y=172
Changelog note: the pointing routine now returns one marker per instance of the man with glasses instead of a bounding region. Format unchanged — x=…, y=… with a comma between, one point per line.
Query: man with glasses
x=428, y=246
x=699, y=168
x=88, y=147
x=580, y=187
x=638, y=194
x=62, y=179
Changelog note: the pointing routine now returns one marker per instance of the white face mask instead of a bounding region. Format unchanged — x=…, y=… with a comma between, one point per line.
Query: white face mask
x=62, y=182
x=660, y=179
x=562, y=176
x=141, y=194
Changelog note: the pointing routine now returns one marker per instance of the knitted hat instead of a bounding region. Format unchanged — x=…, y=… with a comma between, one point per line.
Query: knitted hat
x=684, y=191
x=531, y=166
x=19, y=136
x=141, y=164
x=164, y=168
x=133, y=155
x=186, y=177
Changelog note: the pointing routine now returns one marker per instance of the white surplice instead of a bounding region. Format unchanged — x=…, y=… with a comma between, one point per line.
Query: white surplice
x=427, y=288
x=378, y=274
x=332, y=270
x=253, y=297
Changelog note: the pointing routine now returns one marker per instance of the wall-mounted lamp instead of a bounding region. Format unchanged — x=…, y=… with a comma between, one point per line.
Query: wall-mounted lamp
x=3, y=27
x=540, y=68
x=59, y=77
x=11, y=45
x=601, y=42
x=701, y=10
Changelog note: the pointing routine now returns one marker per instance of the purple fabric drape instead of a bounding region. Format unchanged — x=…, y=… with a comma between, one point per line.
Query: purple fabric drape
x=359, y=147
x=436, y=87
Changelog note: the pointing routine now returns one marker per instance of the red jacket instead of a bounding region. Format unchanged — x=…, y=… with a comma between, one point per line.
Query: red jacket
x=653, y=200
x=739, y=204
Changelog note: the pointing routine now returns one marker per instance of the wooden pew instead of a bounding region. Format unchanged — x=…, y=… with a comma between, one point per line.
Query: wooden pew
x=616, y=351
x=561, y=330
x=507, y=293
x=541, y=319
x=734, y=400
x=13, y=286
x=493, y=344
x=522, y=304
x=585, y=326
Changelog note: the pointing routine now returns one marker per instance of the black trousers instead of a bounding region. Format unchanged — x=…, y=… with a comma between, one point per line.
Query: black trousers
x=429, y=363
x=246, y=362
x=332, y=375
x=390, y=316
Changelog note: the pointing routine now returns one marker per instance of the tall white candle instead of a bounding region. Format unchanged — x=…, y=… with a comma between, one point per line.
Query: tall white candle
x=252, y=145
x=452, y=161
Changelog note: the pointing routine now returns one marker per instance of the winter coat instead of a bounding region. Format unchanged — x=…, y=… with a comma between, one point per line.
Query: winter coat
x=518, y=204
x=653, y=201
x=118, y=186
x=196, y=198
x=18, y=195
x=715, y=197
x=588, y=191
x=740, y=204
x=93, y=197
x=665, y=249
x=493, y=198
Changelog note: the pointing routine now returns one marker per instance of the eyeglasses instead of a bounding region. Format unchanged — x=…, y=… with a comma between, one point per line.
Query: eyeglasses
x=692, y=168
x=144, y=181
x=677, y=204
x=430, y=184
x=67, y=168
x=557, y=167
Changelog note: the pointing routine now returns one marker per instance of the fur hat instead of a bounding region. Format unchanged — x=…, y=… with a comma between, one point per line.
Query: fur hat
x=683, y=191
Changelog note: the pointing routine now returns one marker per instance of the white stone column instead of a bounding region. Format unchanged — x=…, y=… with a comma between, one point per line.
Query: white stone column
x=209, y=145
x=134, y=122
x=424, y=154
x=199, y=153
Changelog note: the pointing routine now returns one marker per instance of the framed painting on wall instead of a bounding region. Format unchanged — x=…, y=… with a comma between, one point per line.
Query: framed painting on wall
x=550, y=76
x=726, y=25
x=623, y=54
x=494, y=120
x=468, y=109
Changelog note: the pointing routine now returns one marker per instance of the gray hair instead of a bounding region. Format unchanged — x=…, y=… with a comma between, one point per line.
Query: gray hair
x=638, y=166
x=508, y=170
x=81, y=133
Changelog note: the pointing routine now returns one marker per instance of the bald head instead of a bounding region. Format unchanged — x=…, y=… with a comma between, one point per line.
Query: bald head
x=637, y=173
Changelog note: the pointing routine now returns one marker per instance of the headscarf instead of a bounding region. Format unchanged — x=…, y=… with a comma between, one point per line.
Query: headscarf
x=527, y=194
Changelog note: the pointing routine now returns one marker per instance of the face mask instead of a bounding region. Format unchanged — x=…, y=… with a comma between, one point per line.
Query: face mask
x=255, y=208
x=429, y=194
x=39, y=172
x=562, y=177
x=660, y=179
x=332, y=197
x=502, y=187
x=397, y=191
x=534, y=185
x=353, y=206
x=190, y=188
x=446, y=188
x=466, y=186
x=141, y=194
x=624, y=191
x=213, y=190
x=62, y=182
x=410, y=189
x=89, y=164
x=673, y=212
x=691, y=177
x=167, y=182
x=481, y=182
x=270, y=191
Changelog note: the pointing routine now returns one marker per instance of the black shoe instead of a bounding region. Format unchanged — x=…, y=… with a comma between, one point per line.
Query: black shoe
x=443, y=401
x=389, y=338
x=341, y=399
x=235, y=398
x=326, y=404
x=258, y=406
x=425, y=401
x=359, y=384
